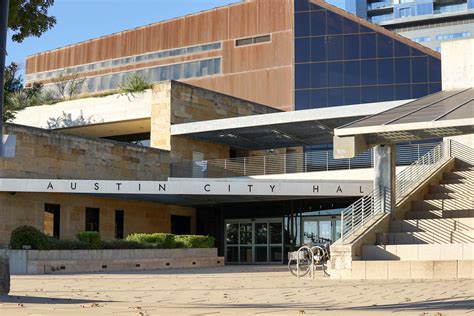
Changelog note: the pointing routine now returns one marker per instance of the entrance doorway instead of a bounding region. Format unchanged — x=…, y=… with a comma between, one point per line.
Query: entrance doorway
x=320, y=227
x=254, y=241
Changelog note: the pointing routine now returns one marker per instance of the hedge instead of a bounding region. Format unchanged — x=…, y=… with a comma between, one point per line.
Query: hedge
x=155, y=240
x=27, y=235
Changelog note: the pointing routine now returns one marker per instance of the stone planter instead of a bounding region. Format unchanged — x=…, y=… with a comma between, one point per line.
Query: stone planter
x=85, y=261
x=4, y=276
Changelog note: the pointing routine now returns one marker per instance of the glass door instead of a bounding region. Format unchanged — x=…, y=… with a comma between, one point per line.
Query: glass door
x=258, y=241
x=320, y=227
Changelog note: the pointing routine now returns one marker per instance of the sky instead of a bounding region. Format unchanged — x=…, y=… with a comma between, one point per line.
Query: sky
x=79, y=20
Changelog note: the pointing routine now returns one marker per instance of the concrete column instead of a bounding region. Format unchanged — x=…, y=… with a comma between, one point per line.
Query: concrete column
x=384, y=173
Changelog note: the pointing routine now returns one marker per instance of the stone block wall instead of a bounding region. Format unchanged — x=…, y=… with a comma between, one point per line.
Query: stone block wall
x=50, y=154
x=139, y=217
x=4, y=276
x=176, y=103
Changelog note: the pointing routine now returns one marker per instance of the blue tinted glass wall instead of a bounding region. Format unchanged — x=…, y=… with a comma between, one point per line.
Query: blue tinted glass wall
x=341, y=62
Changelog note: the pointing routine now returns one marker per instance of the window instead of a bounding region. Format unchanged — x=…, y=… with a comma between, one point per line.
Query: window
x=419, y=69
x=368, y=45
x=180, y=225
x=92, y=219
x=303, y=76
x=252, y=40
x=423, y=39
x=302, y=50
x=351, y=73
x=351, y=47
x=318, y=23
x=402, y=70
x=404, y=12
x=452, y=36
x=385, y=71
x=368, y=74
x=51, y=220
x=318, y=49
x=319, y=75
x=335, y=74
x=119, y=223
x=335, y=46
x=384, y=46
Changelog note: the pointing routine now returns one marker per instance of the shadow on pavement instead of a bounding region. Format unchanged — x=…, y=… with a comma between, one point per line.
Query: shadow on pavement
x=18, y=299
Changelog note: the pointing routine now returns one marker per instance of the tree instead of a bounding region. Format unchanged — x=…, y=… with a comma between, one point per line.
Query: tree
x=13, y=84
x=29, y=18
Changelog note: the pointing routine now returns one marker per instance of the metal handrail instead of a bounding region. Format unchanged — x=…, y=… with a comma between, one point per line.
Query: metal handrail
x=289, y=163
x=378, y=202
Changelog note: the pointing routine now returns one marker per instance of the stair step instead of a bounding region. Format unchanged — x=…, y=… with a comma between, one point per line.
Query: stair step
x=419, y=252
x=465, y=188
x=455, y=195
x=467, y=174
x=442, y=204
x=456, y=181
x=438, y=224
x=433, y=214
x=427, y=237
x=410, y=269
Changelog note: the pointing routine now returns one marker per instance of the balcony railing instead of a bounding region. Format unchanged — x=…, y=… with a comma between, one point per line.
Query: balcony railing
x=311, y=161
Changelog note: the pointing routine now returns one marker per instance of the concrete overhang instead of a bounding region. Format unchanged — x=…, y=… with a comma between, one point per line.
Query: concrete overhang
x=196, y=191
x=279, y=130
x=112, y=115
x=443, y=114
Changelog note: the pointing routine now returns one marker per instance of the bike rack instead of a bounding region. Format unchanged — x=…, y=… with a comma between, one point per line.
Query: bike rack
x=298, y=261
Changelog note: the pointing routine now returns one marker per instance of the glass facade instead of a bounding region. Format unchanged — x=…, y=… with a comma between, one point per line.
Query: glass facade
x=192, y=69
x=340, y=62
x=125, y=61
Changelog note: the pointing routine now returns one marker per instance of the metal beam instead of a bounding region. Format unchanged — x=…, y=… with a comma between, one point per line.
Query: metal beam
x=3, y=51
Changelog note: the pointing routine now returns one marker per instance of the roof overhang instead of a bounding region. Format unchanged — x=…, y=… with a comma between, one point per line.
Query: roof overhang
x=443, y=114
x=279, y=130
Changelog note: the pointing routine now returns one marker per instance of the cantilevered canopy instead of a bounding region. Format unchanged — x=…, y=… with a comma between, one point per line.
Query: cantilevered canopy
x=446, y=113
x=278, y=130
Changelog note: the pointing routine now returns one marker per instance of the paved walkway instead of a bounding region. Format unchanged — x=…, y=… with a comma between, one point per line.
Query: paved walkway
x=231, y=290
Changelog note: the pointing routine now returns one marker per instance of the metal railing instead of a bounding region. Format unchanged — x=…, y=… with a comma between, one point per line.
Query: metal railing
x=378, y=202
x=310, y=161
x=364, y=210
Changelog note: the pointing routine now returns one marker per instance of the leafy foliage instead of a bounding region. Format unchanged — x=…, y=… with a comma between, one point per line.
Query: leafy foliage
x=133, y=84
x=156, y=240
x=91, y=239
x=31, y=236
x=29, y=18
x=69, y=85
x=18, y=98
x=194, y=241
x=28, y=236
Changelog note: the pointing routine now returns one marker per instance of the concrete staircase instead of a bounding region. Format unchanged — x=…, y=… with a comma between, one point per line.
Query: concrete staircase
x=435, y=240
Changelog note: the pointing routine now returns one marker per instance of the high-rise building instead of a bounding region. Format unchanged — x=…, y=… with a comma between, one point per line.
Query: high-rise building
x=428, y=22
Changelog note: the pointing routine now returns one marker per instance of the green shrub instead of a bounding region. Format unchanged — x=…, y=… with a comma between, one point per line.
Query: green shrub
x=57, y=244
x=134, y=83
x=194, y=241
x=28, y=236
x=124, y=244
x=155, y=240
x=92, y=239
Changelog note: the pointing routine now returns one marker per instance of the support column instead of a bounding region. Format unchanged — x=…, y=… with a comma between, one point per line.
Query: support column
x=384, y=175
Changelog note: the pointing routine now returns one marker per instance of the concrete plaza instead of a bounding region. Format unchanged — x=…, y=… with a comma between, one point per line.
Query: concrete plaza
x=231, y=290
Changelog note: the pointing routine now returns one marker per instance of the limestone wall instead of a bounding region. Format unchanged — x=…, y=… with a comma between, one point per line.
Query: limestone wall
x=27, y=209
x=176, y=103
x=49, y=154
